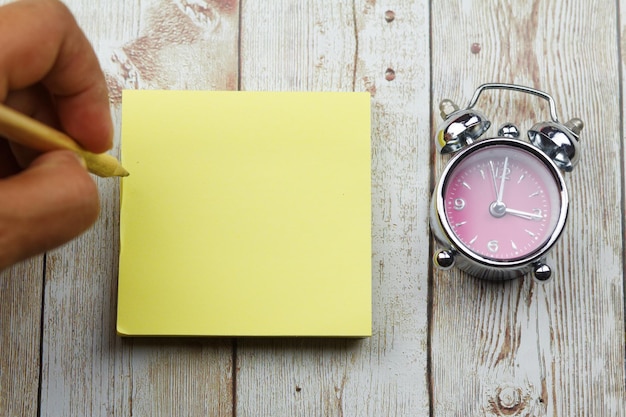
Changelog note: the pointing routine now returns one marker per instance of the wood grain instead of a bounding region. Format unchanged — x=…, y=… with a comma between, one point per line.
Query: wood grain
x=20, y=336
x=530, y=349
x=21, y=304
x=444, y=344
x=345, y=46
x=88, y=370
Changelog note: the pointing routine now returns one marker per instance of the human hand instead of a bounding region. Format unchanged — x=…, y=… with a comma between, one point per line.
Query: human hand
x=48, y=71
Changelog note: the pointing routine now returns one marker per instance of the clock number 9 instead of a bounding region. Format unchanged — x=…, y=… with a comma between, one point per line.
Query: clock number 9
x=459, y=204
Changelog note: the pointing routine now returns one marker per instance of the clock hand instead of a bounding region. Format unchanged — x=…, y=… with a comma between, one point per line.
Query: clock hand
x=501, y=191
x=523, y=214
x=493, y=177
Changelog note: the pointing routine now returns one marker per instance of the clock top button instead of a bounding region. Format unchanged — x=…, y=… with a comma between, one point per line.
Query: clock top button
x=509, y=130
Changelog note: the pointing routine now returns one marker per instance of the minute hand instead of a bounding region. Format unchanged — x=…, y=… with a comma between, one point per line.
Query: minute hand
x=523, y=214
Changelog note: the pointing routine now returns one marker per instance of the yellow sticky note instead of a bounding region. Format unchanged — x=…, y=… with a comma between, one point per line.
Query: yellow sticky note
x=245, y=214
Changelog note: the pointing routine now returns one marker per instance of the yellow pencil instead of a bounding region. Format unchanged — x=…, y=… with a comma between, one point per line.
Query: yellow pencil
x=33, y=134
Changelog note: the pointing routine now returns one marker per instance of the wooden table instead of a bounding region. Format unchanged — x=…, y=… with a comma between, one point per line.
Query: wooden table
x=444, y=344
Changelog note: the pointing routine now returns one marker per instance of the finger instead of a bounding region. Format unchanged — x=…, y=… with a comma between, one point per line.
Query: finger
x=8, y=163
x=23, y=156
x=40, y=41
x=44, y=206
x=34, y=102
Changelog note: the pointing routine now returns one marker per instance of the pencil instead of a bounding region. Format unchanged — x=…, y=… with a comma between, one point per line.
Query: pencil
x=33, y=134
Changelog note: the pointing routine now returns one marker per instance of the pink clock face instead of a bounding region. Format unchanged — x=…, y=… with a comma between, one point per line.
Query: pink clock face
x=502, y=202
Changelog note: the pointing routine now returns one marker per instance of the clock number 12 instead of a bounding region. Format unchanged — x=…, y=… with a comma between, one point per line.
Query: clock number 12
x=506, y=173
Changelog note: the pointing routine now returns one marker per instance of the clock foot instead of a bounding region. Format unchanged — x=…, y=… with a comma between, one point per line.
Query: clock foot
x=542, y=272
x=444, y=259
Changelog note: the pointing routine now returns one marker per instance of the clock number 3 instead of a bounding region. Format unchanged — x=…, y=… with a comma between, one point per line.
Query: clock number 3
x=493, y=246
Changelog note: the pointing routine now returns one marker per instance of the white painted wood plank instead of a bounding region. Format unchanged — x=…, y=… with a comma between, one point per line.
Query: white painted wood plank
x=87, y=369
x=181, y=377
x=345, y=46
x=556, y=349
x=21, y=289
x=559, y=346
x=20, y=335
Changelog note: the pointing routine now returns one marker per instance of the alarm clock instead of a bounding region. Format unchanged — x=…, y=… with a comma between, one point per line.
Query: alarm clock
x=501, y=203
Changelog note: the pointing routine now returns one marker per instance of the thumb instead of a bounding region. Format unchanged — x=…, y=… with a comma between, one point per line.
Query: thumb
x=44, y=206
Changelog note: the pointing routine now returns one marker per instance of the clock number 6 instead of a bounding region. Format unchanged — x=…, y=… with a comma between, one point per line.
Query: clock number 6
x=493, y=246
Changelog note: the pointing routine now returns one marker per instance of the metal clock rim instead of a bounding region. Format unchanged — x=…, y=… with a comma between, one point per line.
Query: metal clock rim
x=459, y=247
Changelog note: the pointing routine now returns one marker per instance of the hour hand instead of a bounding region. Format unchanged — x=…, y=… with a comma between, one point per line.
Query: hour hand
x=493, y=177
x=524, y=214
x=502, y=180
